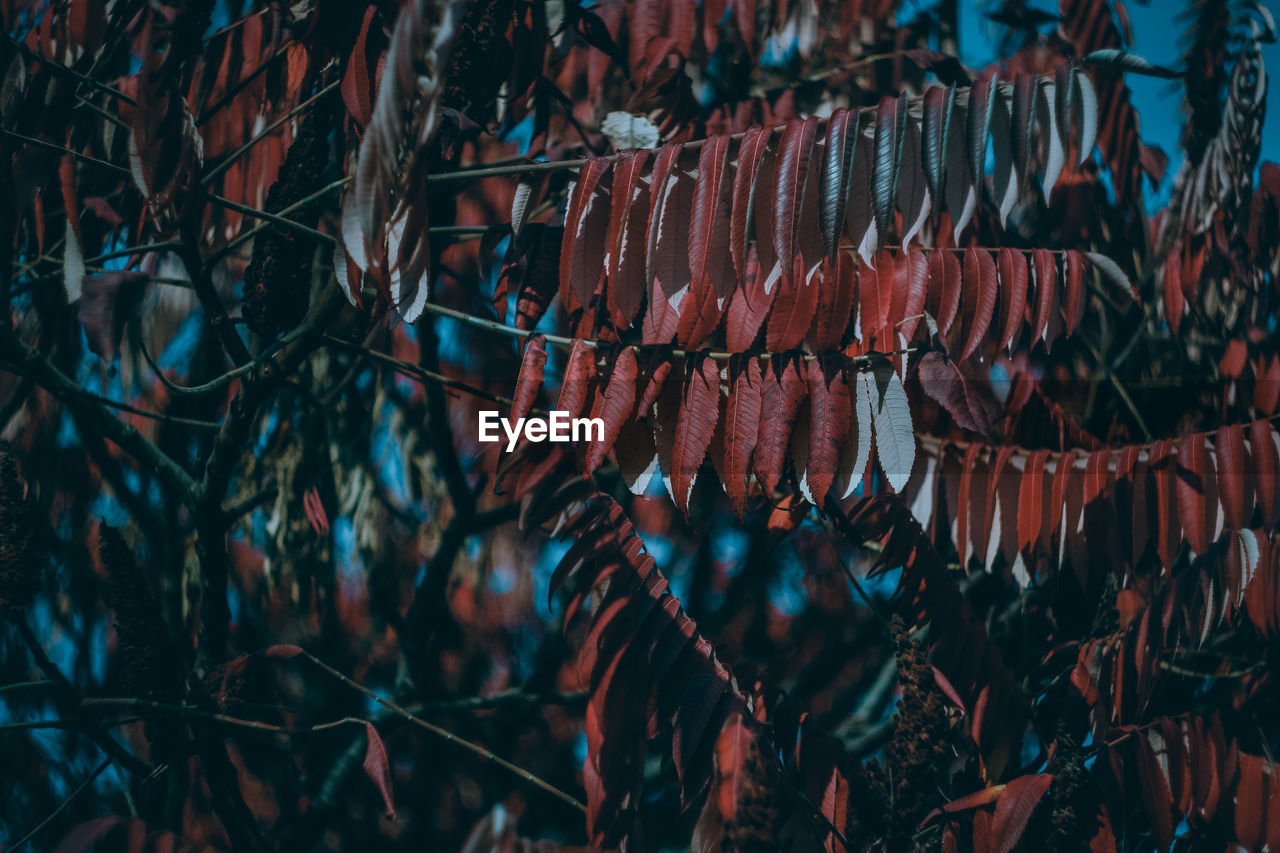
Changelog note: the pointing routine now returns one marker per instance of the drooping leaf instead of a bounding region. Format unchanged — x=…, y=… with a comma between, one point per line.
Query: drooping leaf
x=843, y=130
x=945, y=279
x=890, y=130
x=615, y=407
x=1021, y=120
x=836, y=289
x=1012, y=268
x=856, y=452
x=585, y=233
x=795, y=153
x=979, y=300
x=529, y=380
x=751, y=152
x=910, y=292
x=670, y=199
x=1053, y=154
x=875, y=290
x=1046, y=280
x=1031, y=501
x=830, y=412
x=377, y=768
x=784, y=392
x=1266, y=470
x=579, y=375
x=914, y=201
x=894, y=434
x=699, y=412
x=1004, y=177
x=981, y=104
x=1195, y=491
x=627, y=239
x=1014, y=808
x=1235, y=480
x=939, y=103
x=946, y=385
x=1073, y=290
x=709, y=228
x=794, y=305
x=1084, y=107
x=741, y=427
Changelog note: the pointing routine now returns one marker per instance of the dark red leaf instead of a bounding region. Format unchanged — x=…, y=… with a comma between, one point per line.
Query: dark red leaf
x=784, y=392
x=1012, y=265
x=1014, y=808
x=377, y=768
x=943, y=381
x=615, y=406
x=699, y=411
x=741, y=427
x=529, y=380
x=979, y=301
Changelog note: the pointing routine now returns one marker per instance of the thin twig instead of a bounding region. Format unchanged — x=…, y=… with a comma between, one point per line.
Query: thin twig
x=448, y=735
x=231, y=158
x=81, y=788
x=115, y=93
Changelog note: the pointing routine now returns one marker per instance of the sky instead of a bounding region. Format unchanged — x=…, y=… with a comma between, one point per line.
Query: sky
x=1157, y=33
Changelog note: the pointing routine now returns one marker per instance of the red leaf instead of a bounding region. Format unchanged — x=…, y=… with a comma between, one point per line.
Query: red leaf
x=830, y=411
x=913, y=276
x=784, y=391
x=357, y=93
x=653, y=387
x=748, y=308
x=615, y=407
x=945, y=384
x=579, y=372
x=732, y=747
x=1031, y=501
x=741, y=427
x=795, y=153
x=529, y=380
x=979, y=302
x=377, y=768
x=875, y=290
x=1266, y=471
x=667, y=256
x=1169, y=534
x=793, y=312
x=699, y=314
x=694, y=429
x=1173, y=296
x=1073, y=298
x=1046, y=272
x=835, y=286
x=1012, y=266
x=586, y=227
x=1194, y=492
x=1014, y=808
x=627, y=237
x=282, y=651
x=709, y=228
x=1156, y=796
x=1234, y=487
x=751, y=152
x=945, y=280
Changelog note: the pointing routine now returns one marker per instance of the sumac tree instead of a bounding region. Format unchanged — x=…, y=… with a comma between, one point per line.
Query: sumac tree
x=935, y=496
